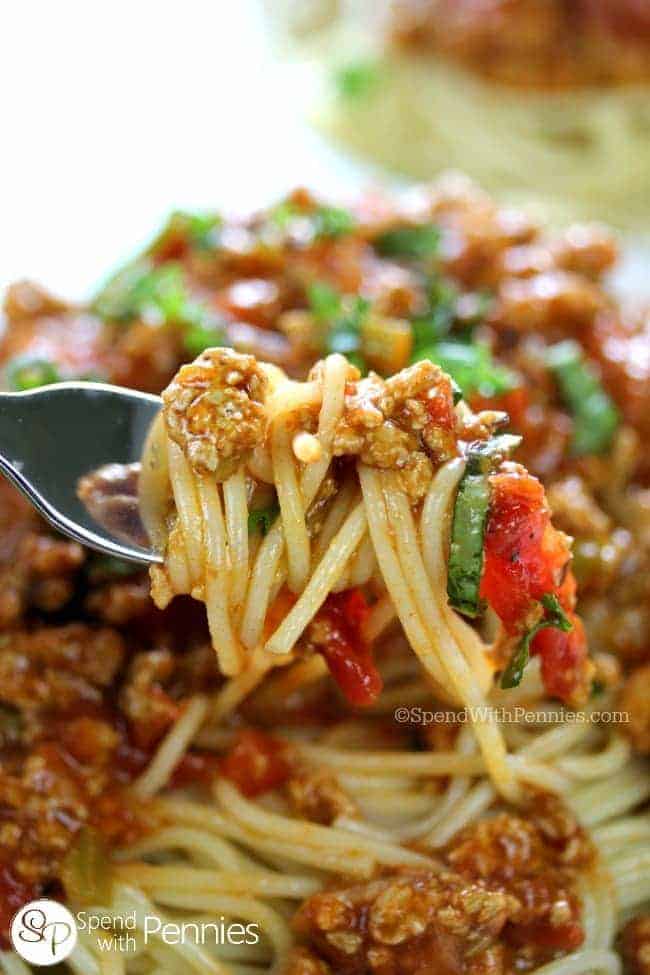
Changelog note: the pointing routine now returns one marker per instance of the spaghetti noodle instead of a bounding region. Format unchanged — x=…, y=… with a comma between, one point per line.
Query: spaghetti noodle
x=464, y=802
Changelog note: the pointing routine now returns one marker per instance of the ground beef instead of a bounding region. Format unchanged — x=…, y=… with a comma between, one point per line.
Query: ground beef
x=214, y=409
x=506, y=901
x=400, y=424
x=396, y=925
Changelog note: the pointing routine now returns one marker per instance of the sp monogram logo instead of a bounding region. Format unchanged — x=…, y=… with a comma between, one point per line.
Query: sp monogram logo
x=44, y=932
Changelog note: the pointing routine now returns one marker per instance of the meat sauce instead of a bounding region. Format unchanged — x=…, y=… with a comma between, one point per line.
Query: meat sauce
x=92, y=675
x=546, y=44
x=507, y=902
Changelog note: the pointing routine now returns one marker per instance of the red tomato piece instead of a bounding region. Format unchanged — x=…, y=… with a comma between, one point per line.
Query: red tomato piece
x=256, y=763
x=347, y=655
x=563, y=657
x=525, y=556
x=525, y=559
x=440, y=405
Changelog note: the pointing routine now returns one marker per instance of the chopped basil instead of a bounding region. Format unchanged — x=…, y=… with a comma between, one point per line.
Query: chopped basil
x=465, y=565
x=484, y=456
x=325, y=302
x=200, y=230
x=159, y=296
x=262, y=519
x=439, y=319
x=471, y=365
x=29, y=372
x=138, y=289
x=471, y=510
x=342, y=317
x=554, y=617
x=595, y=417
x=418, y=243
x=332, y=222
x=358, y=79
x=322, y=221
x=203, y=335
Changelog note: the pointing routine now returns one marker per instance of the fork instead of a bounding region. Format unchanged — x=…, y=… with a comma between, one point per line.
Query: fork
x=54, y=438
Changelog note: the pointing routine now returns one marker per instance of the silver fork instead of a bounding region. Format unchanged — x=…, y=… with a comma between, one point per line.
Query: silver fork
x=53, y=437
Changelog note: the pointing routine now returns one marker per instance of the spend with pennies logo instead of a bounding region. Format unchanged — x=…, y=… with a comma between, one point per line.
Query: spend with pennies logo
x=44, y=932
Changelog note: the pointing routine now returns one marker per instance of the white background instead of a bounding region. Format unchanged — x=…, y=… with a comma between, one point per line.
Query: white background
x=115, y=113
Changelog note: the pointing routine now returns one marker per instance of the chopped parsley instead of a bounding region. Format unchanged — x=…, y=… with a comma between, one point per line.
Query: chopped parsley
x=418, y=243
x=441, y=314
x=159, y=296
x=342, y=317
x=202, y=231
x=470, y=364
x=322, y=221
x=595, y=417
x=554, y=617
x=28, y=372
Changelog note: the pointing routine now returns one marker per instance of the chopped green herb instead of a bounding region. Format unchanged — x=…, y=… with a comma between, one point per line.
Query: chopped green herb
x=262, y=519
x=323, y=221
x=484, y=456
x=29, y=372
x=200, y=337
x=595, y=417
x=159, y=295
x=418, y=243
x=200, y=230
x=324, y=301
x=439, y=319
x=471, y=509
x=332, y=222
x=342, y=317
x=358, y=79
x=471, y=365
x=140, y=290
x=466, y=550
x=555, y=617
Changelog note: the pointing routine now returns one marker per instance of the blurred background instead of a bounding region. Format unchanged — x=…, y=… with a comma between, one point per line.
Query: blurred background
x=116, y=114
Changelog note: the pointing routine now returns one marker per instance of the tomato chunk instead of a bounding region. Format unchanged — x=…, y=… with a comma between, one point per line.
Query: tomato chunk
x=525, y=557
x=564, y=659
x=336, y=634
x=256, y=763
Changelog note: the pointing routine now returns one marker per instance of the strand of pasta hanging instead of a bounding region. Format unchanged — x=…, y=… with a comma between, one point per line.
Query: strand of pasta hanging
x=308, y=515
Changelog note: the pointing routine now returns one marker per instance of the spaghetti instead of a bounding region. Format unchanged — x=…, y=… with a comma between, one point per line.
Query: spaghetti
x=464, y=803
x=385, y=538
